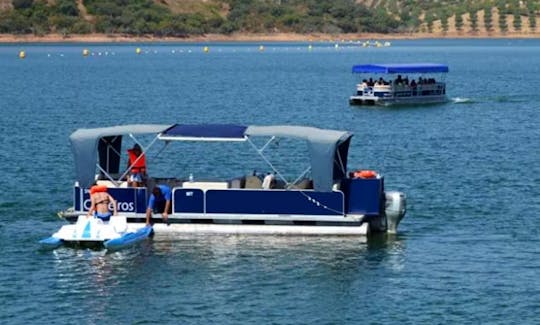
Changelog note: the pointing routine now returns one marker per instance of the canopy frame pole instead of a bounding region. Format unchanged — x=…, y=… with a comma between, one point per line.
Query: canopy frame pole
x=109, y=147
x=267, y=144
x=260, y=152
x=340, y=162
x=139, y=157
x=165, y=145
x=307, y=170
x=107, y=175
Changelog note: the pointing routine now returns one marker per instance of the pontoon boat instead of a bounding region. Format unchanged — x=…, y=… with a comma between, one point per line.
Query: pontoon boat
x=400, y=84
x=326, y=198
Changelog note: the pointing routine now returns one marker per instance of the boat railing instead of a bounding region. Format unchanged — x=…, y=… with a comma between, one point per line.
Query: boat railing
x=241, y=182
x=402, y=90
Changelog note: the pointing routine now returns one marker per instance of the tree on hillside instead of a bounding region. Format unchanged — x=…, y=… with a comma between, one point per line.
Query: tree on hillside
x=22, y=4
x=13, y=22
x=503, y=25
x=429, y=18
x=517, y=19
x=473, y=16
x=443, y=14
x=459, y=18
x=67, y=8
x=488, y=18
x=531, y=11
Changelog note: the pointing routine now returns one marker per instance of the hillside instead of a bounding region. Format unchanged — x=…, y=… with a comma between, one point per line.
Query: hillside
x=197, y=18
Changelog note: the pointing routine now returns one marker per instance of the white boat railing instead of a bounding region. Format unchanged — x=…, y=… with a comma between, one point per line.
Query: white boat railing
x=388, y=90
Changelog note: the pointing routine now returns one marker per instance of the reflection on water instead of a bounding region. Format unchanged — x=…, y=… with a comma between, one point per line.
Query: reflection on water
x=207, y=275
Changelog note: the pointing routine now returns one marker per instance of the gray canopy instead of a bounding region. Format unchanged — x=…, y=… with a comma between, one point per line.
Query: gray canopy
x=84, y=144
x=328, y=149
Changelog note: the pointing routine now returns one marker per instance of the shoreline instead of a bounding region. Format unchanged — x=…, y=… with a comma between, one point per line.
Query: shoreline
x=247, y=37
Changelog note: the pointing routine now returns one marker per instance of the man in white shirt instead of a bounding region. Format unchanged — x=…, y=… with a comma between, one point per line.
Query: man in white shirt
x=268, y=181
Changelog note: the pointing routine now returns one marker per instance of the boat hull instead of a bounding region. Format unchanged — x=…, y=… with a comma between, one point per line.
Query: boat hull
x=391, y=101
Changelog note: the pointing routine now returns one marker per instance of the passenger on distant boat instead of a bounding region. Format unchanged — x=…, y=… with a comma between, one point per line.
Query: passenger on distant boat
x=159, y=202
x=100, y=202
x=137, y=163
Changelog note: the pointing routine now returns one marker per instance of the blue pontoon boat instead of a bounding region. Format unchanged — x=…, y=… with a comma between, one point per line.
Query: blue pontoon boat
x=326, y=198
x=400, y=84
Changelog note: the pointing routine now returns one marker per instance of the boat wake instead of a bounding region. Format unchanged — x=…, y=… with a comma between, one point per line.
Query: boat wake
x=462, y=100
x=507, y=99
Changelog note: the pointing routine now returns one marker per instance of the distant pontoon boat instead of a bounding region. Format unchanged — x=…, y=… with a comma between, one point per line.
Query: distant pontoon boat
x=400, y=84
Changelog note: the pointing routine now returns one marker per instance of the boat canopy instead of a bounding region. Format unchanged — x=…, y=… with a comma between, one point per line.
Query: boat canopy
x=400, y=68
x=85, y=144
x=205, y=132
x=328, y=149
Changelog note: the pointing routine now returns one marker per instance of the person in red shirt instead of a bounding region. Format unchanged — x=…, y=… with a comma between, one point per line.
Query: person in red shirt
x=137, y=163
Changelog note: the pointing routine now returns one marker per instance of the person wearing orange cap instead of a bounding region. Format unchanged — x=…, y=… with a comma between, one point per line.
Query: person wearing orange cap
x=101, y=201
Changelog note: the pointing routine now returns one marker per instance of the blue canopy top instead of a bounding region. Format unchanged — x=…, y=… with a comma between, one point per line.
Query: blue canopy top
x=211, y=132
x=400, y=68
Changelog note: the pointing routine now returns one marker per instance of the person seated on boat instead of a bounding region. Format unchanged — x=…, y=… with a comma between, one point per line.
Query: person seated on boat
x=370, y=82
x=100, y=203
x=159, y=202
x=269, y=181
x=137, y=162
x=398, y=80
x=364, y=84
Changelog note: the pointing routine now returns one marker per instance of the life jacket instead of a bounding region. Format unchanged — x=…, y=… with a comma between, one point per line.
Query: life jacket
x=98, y=188
x=364, y=174
x=140, y=164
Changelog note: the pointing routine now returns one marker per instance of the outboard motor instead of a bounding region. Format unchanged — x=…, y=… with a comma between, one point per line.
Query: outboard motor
x=394, y=210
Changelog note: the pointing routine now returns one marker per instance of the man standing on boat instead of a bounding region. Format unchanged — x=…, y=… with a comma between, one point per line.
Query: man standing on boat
x=159, y=202
x=137, y=163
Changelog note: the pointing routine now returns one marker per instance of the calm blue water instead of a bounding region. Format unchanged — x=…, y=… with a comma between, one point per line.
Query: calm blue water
x=468, y=250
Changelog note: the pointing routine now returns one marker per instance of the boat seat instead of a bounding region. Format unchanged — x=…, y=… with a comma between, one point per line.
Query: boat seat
x=253, y=182
x=239, y=182
x=119, y=223
x=278, y=184
x=111, y=184
x=303, y=184
x=206, y=185
x=82, y=218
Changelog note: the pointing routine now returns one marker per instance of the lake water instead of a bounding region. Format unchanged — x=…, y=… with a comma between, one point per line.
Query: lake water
x=468, y=250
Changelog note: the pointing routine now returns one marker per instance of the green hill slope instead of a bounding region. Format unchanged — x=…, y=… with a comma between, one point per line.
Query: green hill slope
x=184, y=18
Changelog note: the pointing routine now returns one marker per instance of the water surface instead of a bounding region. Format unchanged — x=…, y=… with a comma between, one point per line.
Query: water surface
x=467, y=251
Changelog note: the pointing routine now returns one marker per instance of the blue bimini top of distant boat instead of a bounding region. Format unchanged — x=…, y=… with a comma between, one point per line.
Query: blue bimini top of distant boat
x=400, y=68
